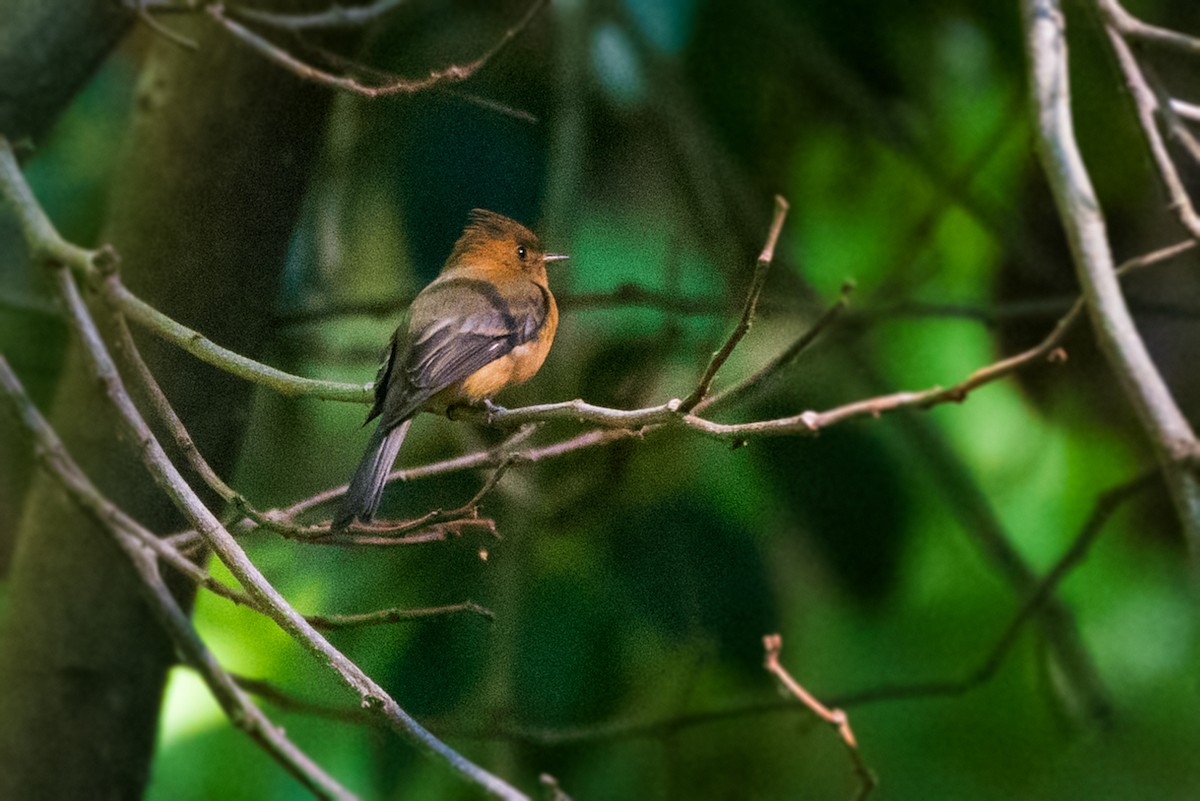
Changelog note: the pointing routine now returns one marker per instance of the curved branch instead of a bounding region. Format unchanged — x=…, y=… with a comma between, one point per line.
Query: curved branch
x=1164, y=423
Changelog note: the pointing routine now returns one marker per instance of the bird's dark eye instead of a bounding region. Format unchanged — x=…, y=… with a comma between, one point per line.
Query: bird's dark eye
x=521, y=252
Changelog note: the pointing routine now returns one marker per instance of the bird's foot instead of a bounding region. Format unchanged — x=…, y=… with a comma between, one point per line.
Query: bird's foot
x=491, y=409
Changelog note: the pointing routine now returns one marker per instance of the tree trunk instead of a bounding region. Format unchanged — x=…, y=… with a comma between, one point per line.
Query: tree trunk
x=48, y=49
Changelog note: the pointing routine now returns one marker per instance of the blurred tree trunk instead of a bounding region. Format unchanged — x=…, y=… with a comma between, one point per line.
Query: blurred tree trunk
x=202, y=210
x=48, y=50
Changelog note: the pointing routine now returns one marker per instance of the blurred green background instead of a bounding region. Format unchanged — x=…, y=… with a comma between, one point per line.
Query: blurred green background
x=633, y=584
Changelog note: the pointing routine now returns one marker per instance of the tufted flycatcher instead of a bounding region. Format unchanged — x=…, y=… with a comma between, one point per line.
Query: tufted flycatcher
x=485, y=323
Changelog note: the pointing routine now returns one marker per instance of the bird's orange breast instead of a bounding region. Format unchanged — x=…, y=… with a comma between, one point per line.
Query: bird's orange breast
x=515, y=367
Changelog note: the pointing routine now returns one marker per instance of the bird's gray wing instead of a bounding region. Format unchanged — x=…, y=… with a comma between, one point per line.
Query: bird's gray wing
x=456, y=327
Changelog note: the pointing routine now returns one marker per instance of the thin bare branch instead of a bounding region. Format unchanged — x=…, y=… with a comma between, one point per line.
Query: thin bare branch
x=383, y=616
x=162, y=30
x=455, y=73
x=1179, y=132
x=195, y=343
x=433, y=526
x=429, y=532
x=1128, y=25
x=1147, y=105
x=125, y=348
x=772, y=644
x=761, y=268
x=1189, y=111
x=785, y=357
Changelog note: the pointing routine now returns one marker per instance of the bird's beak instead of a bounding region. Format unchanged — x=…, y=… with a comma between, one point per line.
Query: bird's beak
x=555, y=257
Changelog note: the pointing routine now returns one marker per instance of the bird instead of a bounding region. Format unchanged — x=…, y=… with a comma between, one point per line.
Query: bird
x=484, y=324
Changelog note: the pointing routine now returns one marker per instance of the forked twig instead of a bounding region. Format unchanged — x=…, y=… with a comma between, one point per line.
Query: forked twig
x=761, y=268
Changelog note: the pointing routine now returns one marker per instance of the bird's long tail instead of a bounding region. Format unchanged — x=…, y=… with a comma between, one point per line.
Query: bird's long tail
x=366, y=487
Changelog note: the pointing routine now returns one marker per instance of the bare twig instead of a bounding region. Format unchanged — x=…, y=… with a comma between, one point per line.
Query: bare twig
x=1165, y=425
x=785, y=357
x=761, y=268
x=1180, y=133
x=772, y=643
x=430, y=532
x=618, y=731
x=127, y=350
x=381, y=616
x=195, y=343
x=455, y=73
x=1147, y=104
x=433, y=526
x=1130, y=26
x=1189, y=111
